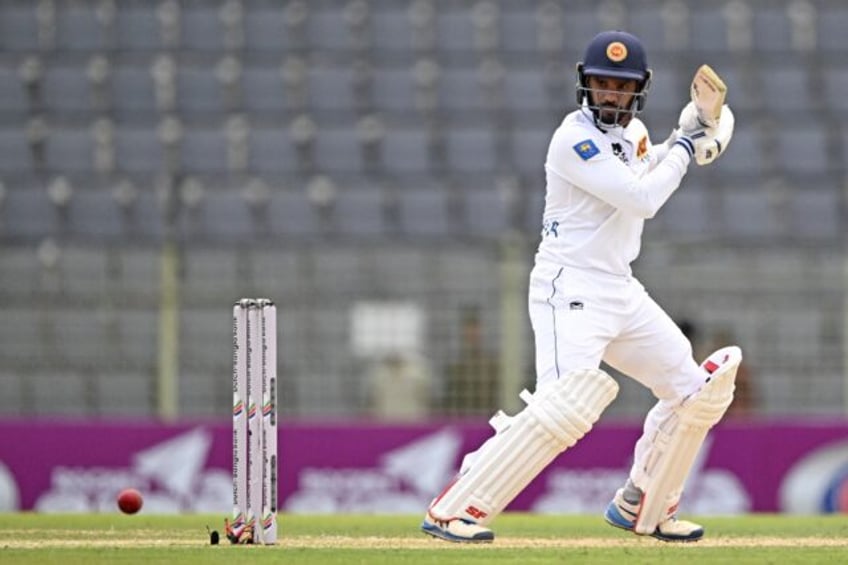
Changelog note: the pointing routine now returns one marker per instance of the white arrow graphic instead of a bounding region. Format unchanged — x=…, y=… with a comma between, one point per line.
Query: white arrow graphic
x=425, y=463
x=177, y=462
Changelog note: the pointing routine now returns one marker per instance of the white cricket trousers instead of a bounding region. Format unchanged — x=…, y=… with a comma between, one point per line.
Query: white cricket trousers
x=582, y=317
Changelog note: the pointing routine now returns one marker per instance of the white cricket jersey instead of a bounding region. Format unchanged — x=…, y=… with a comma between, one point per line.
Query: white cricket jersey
x=601, y=186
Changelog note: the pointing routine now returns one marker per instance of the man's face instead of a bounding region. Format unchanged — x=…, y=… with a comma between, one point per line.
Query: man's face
x=612, y=94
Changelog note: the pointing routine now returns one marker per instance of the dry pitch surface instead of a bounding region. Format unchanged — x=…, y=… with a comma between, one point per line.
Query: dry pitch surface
x=33, y=539
x=378, y=540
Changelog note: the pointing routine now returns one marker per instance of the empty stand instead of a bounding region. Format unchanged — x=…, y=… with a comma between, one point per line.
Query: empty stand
x=708, y=30
x=138, y=27
x=85, y=274
x=93, y=213
x=339, y=274
x=394, y=90
x=292, y=213
x=815, y=212
x=406, y=150
x=791, y=87
x=392, y=30
x=28, y=213
x=122, y=395
x=359, y=211
x=331, y=30
x=136, y=338
x=333, y=89
x=264, y=90
x=200, y=91
x=461, y=91
x=748, y=212
x=423, y=211
x=201, y=27
x=472, y=150
x=20, y=26
x=13, y=98
x=139, y=149
x=804, y=150
x=529, y=148
x=204, y=150
x=61, y=392
x=70, y=150
x=221, y=215
x=744, y=155
x=15, y=154
x=81, y=28
x=488, y=212
x=772, y=29
x=830, y=23
x=22, y=335
x=273, y=271
x=271, y=150
x=455, y=30
x=519, y=30
x=323, y=153
x=688, y=213
x=339, y=150
x=133, y=91
x=525, y=91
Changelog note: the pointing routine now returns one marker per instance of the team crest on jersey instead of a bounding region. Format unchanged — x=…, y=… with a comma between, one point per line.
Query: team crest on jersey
x=586, y=149
x=642, y=148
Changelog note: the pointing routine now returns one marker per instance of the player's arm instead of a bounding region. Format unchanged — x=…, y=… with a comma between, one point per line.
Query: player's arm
x=603, y=175
x=660, y=151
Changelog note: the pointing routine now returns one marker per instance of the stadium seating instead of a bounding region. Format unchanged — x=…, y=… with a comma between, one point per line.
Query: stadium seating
x=322, y=152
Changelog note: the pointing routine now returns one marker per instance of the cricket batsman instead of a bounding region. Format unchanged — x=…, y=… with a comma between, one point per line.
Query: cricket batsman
x=604, y=179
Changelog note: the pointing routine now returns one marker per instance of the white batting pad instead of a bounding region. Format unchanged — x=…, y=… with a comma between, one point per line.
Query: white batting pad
x=555, y=418
x=680, y=437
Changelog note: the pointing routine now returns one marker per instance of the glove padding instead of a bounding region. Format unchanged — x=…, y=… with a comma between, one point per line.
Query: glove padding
x=688, y=123
x=704, y=143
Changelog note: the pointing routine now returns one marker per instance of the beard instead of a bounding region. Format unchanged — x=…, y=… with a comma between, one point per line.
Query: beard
x=610, y=115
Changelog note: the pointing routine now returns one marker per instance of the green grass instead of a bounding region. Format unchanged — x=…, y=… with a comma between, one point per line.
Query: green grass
x=375, y=540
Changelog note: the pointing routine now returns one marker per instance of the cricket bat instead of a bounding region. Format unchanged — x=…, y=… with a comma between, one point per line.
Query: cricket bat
x=708, y=93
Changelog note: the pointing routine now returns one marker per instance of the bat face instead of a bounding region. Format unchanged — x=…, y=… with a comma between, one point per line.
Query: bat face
x=708, y=92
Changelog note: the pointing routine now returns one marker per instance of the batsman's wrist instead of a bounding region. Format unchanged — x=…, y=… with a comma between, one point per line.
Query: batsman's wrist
x=686, y=143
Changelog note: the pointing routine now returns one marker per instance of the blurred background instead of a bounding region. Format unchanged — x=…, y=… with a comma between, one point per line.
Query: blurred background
x=376, y=168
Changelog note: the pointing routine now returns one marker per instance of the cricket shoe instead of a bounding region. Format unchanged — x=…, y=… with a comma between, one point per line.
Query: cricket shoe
x=456, y=530
x=624, y=509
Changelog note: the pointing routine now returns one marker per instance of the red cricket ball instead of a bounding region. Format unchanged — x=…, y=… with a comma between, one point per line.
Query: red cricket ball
x=129, y=501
